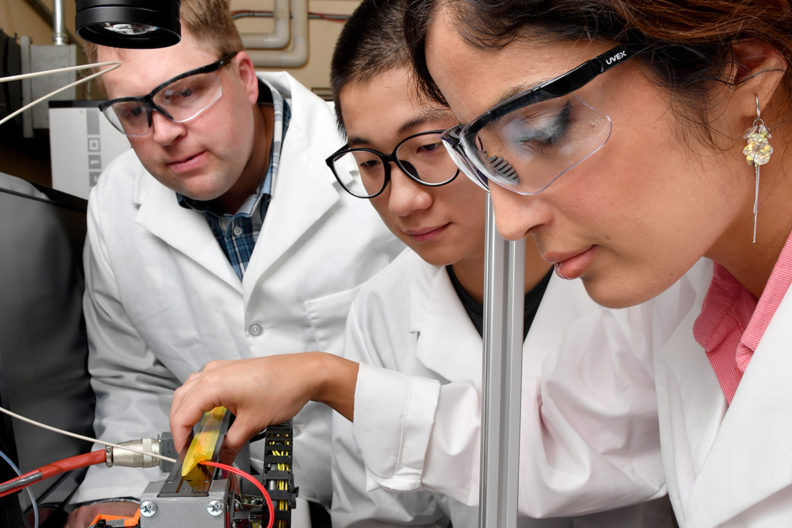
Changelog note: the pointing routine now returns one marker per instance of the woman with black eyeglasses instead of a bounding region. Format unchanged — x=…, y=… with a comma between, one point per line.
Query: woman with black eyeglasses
x=630, y=139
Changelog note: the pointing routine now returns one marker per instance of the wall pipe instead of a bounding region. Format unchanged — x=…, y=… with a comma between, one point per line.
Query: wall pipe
x=58, y=25
x=46, y=14
x=298, y=55
x=278, y=38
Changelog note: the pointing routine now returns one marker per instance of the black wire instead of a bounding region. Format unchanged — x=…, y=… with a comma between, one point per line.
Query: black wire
x=258, y=436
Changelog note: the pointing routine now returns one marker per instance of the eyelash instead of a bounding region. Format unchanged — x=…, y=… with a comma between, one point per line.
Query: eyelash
x=550, y=134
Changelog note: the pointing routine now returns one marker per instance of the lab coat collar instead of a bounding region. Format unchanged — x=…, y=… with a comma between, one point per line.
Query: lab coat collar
x=303, y=182
x=751, y=458
x=448, y=343
x=183, y=229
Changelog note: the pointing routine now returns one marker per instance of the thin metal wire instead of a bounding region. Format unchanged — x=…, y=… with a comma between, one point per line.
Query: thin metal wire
x=86, y=438
x=113, y=66
x=57, y=70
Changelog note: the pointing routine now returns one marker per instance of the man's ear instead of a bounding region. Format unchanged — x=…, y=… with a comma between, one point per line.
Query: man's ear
x=759, y=69
x=247, y=74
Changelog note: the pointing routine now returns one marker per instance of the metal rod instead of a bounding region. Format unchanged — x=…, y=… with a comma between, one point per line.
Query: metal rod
x=504, y=273
x=58, y=25
x=59, y=70
x=270, y=14
x=22, y=480
x=59, y=90
x=45, y=13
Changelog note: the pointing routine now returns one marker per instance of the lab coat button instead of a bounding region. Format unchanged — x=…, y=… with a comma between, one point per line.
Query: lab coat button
x=255, y=329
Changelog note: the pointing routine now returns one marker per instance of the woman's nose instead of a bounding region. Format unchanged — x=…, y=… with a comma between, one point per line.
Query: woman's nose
x=515, y=215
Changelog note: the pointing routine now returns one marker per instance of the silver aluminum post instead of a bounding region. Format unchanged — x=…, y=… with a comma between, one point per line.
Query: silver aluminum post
x=58, y=25
x=504, y=279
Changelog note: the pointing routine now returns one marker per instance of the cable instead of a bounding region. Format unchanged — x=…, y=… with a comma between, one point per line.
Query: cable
x=113, y=66
x=33, y=502
x=50, y=470
x=86, y=438
x=282, y=485
x=312, y=15
x=328, y=17
x=97, y=457
x=252, y=479
x=19, y=77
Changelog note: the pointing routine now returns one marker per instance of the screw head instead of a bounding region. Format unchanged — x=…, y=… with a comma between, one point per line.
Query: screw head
x=148, y=508
x=215, y=508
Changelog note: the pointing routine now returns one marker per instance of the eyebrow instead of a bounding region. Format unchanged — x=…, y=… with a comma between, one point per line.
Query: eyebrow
x=511, y=92
x=431, y=114
x=426, y=116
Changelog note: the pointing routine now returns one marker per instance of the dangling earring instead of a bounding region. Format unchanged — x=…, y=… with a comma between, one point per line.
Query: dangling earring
x=757, y=153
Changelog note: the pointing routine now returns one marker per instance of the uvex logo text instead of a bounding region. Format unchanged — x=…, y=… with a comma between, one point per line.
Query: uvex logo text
x=619, y=56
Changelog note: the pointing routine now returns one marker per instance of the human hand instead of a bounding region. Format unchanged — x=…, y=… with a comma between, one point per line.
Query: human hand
x=83, y=516
x=260, y=392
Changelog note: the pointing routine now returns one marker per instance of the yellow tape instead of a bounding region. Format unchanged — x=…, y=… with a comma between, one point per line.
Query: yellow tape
x=205, y=439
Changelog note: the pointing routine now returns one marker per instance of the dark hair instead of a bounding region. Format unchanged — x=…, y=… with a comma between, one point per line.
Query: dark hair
x=687, y=44
x=371, y=42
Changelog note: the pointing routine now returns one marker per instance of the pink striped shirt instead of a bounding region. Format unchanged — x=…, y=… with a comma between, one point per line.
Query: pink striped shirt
x=732, y=322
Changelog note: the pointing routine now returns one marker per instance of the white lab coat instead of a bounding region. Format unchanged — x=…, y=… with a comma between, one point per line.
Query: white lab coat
x=162, y=300
x=589, y=437
x=728, y=468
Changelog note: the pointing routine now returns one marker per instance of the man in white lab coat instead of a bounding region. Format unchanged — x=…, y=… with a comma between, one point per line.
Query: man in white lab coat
x=222, y=235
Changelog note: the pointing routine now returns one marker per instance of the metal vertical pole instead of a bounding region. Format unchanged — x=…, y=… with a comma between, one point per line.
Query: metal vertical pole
x=58, y=25
x=504, y=279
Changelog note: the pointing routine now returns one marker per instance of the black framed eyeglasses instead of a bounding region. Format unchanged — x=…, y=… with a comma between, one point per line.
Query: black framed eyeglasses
x=179, y=99
x=529, y=140
x=365, y=172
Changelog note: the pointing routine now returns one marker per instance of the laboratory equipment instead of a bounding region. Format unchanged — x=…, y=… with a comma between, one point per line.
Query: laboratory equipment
x=129, y=23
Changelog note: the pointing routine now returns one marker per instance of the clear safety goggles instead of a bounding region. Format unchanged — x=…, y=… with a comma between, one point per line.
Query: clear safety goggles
x=528, y=141
x=179, y=99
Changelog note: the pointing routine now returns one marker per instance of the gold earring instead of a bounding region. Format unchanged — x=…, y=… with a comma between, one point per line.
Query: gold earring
x=757, y=153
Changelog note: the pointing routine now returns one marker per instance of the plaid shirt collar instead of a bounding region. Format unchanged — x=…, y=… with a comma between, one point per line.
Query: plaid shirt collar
x=237, y=233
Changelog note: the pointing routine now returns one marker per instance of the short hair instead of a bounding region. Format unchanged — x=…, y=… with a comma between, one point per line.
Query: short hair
x=210, y=21
x=371, y=42
x=686, y=44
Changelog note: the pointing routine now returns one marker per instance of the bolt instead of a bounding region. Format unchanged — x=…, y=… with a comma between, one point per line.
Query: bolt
x=215, y=508
x=148, y=509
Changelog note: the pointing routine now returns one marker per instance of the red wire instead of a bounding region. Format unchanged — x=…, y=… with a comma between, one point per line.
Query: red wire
x=20, y=488
x=98, y=457
x=20, y=477
x=72, y=463
x=324, y=16
x=252, y=479
x=56, y=468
